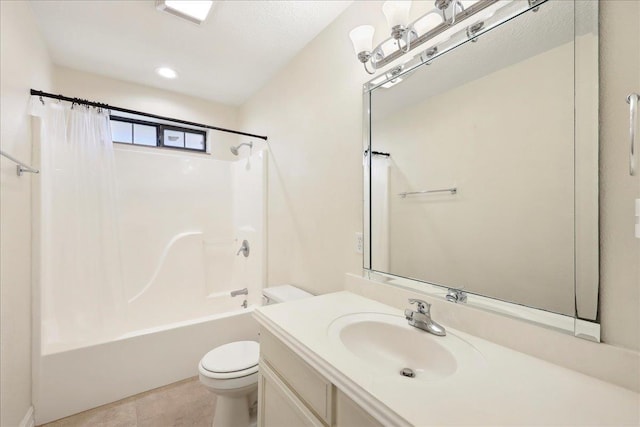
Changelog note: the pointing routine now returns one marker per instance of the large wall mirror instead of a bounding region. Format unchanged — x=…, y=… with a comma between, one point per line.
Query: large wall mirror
x=481, y=164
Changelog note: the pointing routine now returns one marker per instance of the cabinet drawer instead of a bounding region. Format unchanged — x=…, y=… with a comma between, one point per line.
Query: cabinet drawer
x=310, y=386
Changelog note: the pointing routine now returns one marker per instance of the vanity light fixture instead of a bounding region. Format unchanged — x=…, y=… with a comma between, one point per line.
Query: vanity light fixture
x=394, y=77
x=436, y=26
x=166, y=72
x=195, y=11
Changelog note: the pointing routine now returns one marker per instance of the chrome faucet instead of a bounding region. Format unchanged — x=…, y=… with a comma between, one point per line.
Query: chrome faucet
x=421, y=318
x=456, y=295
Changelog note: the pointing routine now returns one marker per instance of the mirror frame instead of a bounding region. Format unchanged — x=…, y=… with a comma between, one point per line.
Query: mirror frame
x=585, y=323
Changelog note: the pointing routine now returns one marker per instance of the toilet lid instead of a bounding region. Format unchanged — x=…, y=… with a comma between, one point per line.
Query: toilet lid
x=232, y=357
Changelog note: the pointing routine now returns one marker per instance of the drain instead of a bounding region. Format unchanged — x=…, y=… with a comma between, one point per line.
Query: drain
x=407, y=372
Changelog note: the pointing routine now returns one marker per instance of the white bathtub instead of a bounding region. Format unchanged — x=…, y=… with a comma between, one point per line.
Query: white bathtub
x=72, y=381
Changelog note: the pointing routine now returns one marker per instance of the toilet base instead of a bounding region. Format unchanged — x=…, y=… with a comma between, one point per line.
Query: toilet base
x=231, y=412
x=233, y=408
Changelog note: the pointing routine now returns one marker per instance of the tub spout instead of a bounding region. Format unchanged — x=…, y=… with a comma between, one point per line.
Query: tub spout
x=237, y=292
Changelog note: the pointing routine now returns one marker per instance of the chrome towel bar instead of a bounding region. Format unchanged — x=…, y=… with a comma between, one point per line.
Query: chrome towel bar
x=21, y=167
x=453, y=190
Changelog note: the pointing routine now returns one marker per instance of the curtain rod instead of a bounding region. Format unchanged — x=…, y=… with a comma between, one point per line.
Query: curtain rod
x=377, y=153
x=140, y=113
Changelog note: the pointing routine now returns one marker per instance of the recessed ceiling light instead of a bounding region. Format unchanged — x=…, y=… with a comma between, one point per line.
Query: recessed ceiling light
x=191, y=10
x=166, y=72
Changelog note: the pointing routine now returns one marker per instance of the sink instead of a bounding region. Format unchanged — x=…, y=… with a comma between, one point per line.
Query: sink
x=387, y=344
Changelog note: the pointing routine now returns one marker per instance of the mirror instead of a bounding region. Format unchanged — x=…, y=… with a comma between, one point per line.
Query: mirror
x=483, y=174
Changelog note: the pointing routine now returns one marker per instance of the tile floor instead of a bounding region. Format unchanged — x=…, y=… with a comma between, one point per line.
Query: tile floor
x=186, y=404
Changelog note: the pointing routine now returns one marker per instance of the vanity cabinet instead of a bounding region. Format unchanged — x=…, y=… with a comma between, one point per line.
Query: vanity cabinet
x=349, y=414
x=292, y=393
x=278, y=404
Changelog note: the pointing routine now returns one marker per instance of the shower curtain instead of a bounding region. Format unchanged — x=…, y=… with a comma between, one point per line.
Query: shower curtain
x=380, y=213
x=81, y=277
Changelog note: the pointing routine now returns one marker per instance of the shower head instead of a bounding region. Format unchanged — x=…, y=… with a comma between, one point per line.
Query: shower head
x=234, y=150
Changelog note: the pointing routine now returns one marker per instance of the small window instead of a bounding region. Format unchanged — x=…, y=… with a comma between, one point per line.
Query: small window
x=139, y=132
x=194, y=141
x=122, y=132
x=145, y=135
x=173, y=138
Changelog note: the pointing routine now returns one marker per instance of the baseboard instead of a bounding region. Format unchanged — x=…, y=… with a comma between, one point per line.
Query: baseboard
x=29, y=419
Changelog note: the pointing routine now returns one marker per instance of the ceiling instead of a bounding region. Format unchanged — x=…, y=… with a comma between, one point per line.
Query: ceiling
x=240, y=46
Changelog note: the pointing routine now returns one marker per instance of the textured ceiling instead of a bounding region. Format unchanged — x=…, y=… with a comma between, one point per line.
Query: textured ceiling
x=233, y=54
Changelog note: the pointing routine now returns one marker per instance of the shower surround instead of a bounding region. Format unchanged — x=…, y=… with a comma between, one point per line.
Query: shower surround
x=181, y=219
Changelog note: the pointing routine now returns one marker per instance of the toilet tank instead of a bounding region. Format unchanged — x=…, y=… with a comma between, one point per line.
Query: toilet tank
x=283, y=293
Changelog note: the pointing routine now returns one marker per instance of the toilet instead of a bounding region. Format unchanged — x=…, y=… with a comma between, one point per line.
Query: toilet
x=231, y=370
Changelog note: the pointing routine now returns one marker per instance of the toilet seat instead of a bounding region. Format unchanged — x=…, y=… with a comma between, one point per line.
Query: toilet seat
x=227, y=375
x=234, y=360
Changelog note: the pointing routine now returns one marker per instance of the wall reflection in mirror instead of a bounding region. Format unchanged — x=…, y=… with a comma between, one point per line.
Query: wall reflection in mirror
x=489, y=182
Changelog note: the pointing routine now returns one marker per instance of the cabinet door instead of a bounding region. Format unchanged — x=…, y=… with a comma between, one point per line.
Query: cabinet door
x=278, y=406
x=349, y=414
x=311, y=387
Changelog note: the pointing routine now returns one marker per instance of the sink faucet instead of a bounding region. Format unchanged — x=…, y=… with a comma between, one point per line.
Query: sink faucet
x=421, y=318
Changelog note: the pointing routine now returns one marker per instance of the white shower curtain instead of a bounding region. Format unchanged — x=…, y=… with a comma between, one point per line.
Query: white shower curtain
x=81, y=277
x=380, y=213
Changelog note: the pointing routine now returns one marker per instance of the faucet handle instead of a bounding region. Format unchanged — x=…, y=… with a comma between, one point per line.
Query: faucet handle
x=408, y=314
x=457, y=295
x=423, y=306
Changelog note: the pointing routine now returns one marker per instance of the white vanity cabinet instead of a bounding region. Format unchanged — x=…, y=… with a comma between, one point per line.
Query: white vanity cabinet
x=292, y=393
x=279, y=405
x=311, y=374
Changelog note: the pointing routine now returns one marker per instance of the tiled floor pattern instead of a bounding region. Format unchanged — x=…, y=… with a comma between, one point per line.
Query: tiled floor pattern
x=183, y=404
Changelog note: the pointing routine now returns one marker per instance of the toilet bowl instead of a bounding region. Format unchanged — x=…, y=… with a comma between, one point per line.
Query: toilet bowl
x=231, y=370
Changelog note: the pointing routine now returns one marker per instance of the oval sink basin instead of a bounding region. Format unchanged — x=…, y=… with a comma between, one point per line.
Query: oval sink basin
x=388, y=343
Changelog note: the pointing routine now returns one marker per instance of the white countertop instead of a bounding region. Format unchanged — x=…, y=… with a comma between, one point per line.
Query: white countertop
x=511, y=389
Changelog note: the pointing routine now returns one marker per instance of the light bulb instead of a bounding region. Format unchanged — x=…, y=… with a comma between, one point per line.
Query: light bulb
x=468, y=3
x=427, y=23
x=166, y=72
x=397, y=12
x=362, y=38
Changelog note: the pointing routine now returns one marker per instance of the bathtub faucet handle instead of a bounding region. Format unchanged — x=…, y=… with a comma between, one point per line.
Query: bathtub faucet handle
x=244, y=249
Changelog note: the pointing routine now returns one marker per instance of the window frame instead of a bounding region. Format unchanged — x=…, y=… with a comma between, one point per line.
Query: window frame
x=160, y=128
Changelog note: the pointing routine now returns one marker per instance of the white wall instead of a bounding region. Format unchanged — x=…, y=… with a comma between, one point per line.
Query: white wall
x=312, y=112
x=619, y=250
x=24, y=64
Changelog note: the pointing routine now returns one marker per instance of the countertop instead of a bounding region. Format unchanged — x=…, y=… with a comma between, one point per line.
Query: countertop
x=510, y=388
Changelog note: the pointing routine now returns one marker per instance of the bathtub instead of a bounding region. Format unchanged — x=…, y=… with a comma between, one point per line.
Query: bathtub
x=72, y=381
